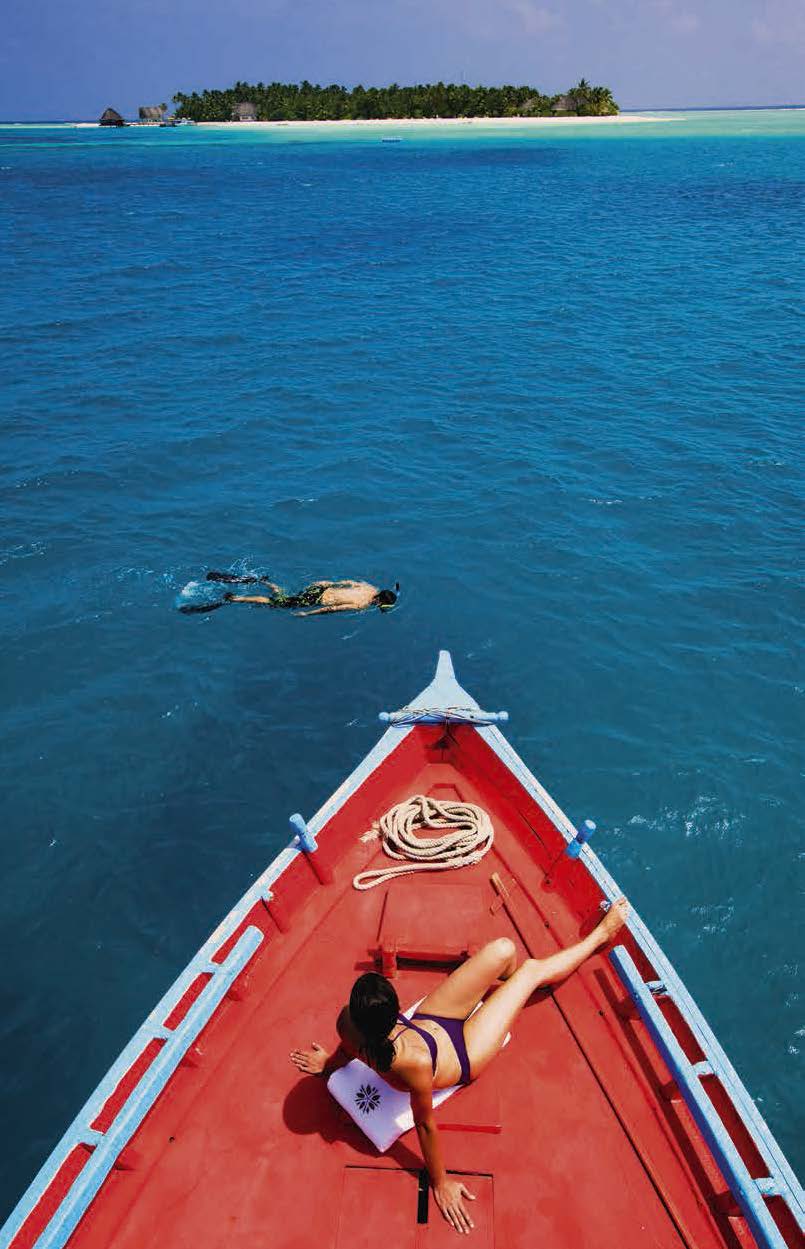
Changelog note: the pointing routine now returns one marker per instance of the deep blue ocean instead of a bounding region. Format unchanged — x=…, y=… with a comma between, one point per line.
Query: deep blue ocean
x=550, y=381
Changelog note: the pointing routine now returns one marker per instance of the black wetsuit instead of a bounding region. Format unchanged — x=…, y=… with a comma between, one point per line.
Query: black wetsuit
x=310, y=596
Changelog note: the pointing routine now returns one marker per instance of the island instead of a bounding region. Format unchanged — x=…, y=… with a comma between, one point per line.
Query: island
x=305, y=101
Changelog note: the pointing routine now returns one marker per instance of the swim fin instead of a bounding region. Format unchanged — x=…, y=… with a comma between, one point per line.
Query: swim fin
x=232, y=578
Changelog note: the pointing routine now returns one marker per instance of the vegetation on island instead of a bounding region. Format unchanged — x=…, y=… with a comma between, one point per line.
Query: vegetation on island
x=277, y=101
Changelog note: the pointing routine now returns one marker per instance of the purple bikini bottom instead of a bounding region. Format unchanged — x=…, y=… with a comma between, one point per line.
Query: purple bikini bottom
x=454, y=1029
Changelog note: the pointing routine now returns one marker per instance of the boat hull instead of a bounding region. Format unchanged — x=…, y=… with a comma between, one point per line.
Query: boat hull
x=578, y=1134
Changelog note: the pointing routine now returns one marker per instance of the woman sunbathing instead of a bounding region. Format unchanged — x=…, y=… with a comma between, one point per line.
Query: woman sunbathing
x=447, y=1041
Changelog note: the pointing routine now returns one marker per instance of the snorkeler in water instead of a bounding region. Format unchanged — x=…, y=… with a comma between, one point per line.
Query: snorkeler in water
x=316, y=599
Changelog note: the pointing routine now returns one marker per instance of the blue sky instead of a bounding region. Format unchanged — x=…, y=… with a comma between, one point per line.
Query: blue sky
x=72, y=58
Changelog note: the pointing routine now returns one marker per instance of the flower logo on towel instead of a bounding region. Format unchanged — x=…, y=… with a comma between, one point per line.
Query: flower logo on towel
x=367, y=1098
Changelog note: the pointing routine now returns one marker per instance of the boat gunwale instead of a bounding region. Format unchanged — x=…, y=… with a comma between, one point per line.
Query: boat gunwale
x=110, y=1143
x=749, y=1193
x=80, y=1130
x=760, y=1133
x=443, y=692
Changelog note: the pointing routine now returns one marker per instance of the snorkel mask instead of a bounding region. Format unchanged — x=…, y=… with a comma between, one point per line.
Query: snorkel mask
x=390, y=606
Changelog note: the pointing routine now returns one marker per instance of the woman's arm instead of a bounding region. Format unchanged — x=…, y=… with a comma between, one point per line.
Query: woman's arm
x=323, y=611
x=449, y=1194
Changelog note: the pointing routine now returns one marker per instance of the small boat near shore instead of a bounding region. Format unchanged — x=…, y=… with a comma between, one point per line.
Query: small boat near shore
x=613, y=1117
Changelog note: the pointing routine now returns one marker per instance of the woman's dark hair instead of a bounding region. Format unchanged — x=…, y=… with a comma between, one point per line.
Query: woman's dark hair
x=373, y=1008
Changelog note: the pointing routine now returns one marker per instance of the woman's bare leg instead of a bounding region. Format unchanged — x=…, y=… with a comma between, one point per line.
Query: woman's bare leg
x=248, y=598
x=485, y=1031
x=463, y=989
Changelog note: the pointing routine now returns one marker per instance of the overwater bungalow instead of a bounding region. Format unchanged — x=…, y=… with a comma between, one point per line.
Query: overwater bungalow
x=111, y=117
x=244, y=112
x=151, y=114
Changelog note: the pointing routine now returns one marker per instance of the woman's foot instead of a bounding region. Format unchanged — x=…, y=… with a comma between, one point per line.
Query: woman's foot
x=614, y=920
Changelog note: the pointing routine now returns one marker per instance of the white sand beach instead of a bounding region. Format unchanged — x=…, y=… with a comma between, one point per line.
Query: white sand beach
x=404, y=123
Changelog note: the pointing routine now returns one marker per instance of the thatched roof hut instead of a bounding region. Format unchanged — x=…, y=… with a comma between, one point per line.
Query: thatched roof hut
x=151, y=113
x=244, y=112
x=563, y=105
x=111, y=117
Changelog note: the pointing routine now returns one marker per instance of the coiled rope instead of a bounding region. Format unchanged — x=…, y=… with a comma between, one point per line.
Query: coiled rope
x=465, y=835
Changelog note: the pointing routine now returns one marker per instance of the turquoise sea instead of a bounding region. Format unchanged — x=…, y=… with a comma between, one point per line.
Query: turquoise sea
x=551, y=380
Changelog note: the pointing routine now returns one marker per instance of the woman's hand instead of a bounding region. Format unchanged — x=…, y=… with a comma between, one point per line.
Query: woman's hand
x=313, y=1060
x=448, y=1194
x=449, y=1198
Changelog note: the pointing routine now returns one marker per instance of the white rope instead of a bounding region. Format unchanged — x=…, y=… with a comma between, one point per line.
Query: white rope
x=465, y=835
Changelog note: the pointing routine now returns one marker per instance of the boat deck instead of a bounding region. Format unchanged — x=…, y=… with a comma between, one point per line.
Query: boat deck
x=567, y=1138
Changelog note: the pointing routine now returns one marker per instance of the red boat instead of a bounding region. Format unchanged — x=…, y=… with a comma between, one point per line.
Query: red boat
x=612, y=1118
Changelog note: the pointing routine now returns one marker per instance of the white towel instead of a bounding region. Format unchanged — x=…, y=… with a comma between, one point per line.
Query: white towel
x=381, y=1112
